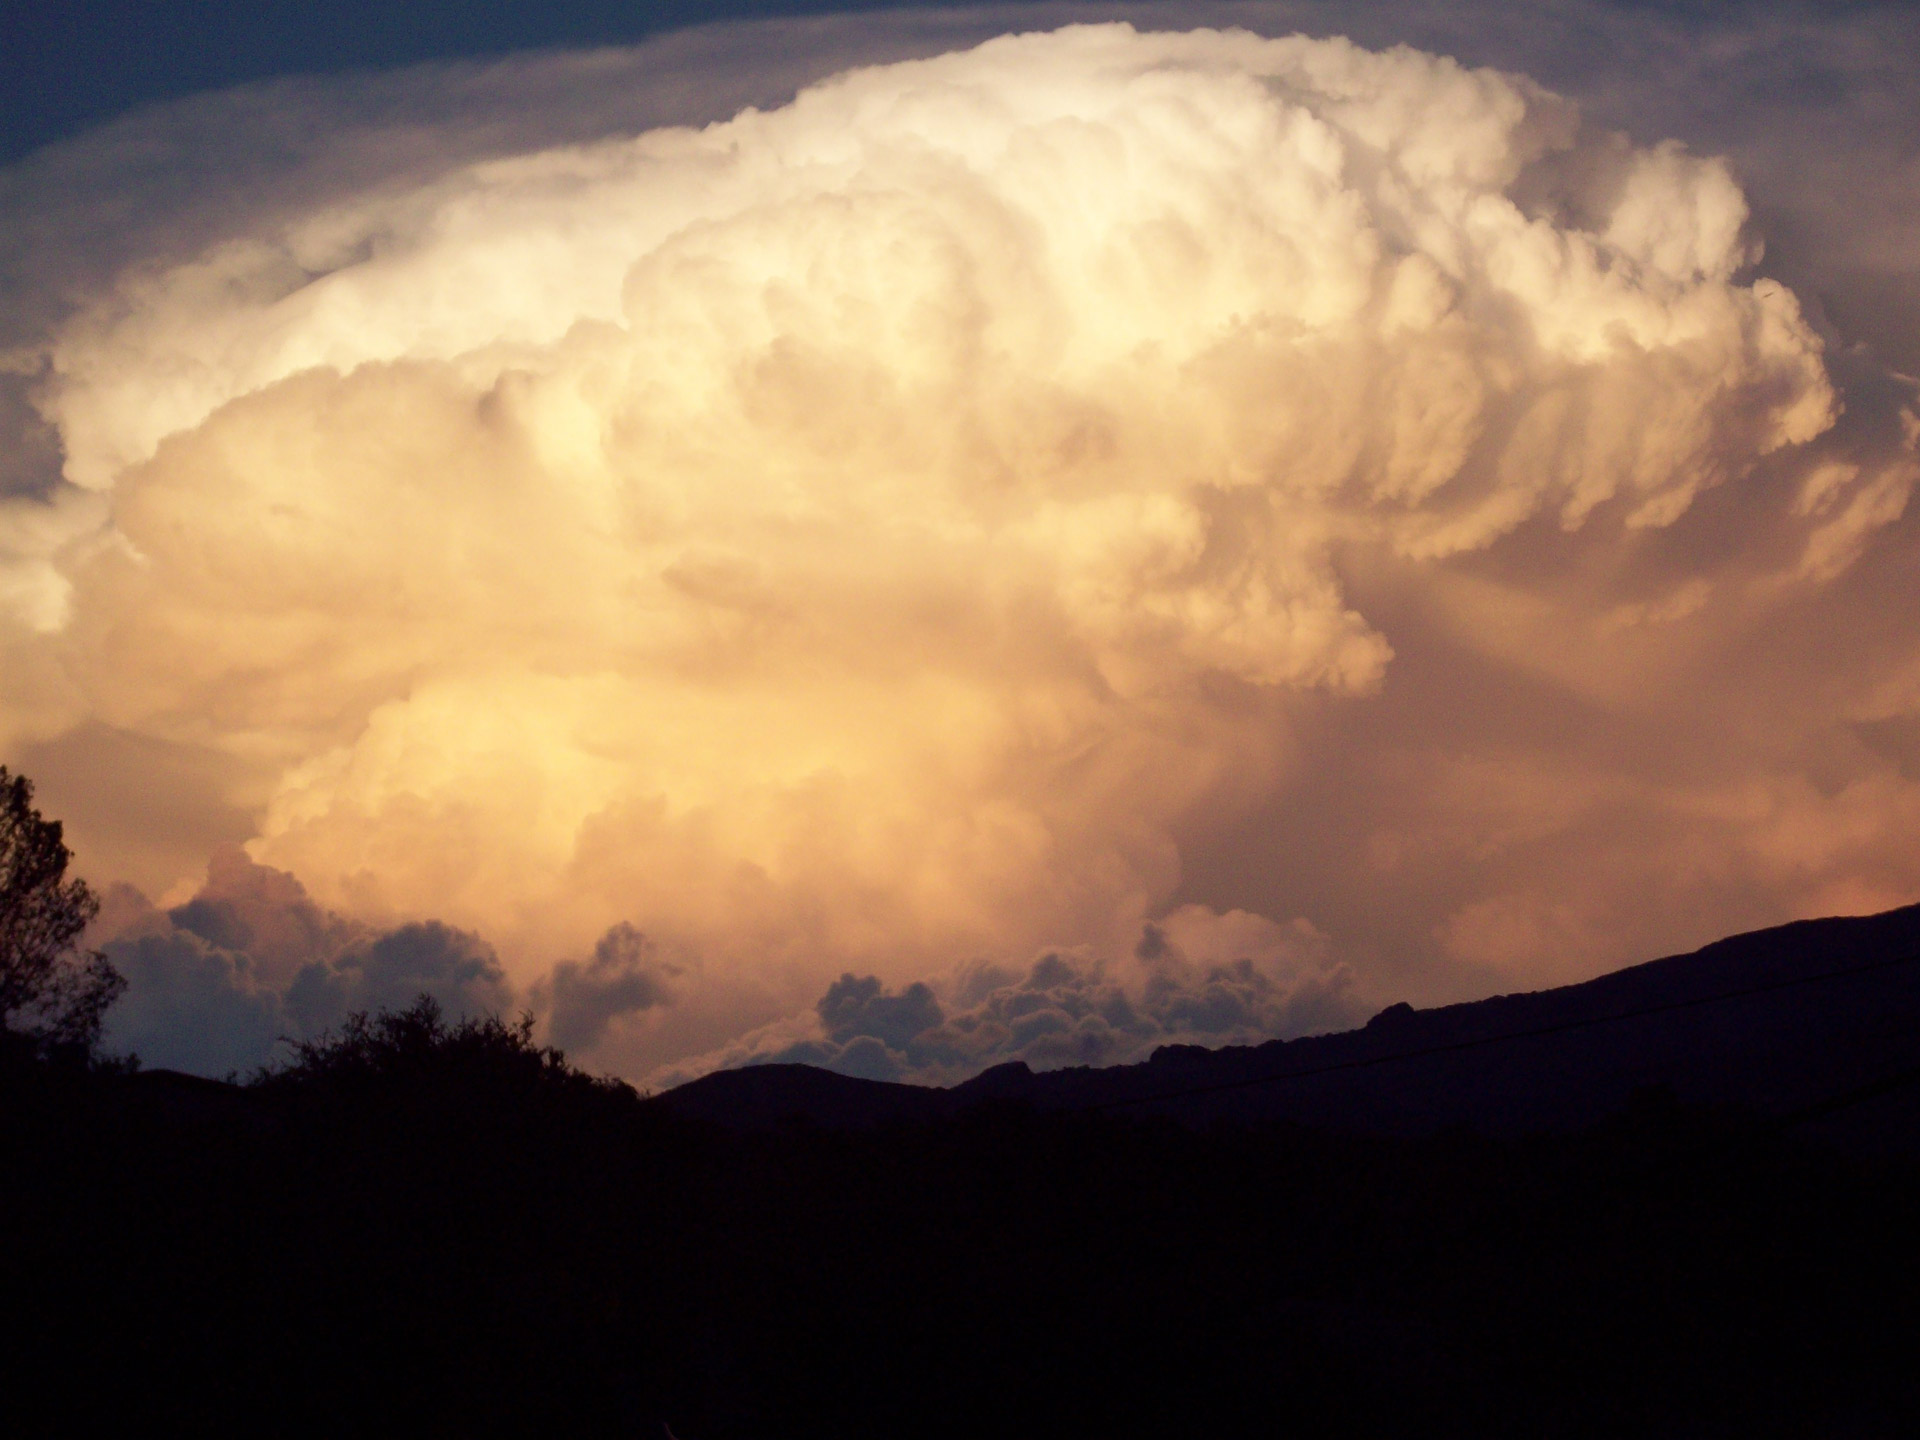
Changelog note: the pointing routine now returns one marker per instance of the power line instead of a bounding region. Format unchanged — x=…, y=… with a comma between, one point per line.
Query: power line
x=1478, y=1042
x=1847, y=1099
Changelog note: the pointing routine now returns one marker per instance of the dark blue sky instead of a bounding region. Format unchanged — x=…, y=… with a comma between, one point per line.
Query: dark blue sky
x=68, y=64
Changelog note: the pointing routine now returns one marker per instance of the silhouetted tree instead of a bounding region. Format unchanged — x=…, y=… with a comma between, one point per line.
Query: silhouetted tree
x=418, y=1044
x=53, y=995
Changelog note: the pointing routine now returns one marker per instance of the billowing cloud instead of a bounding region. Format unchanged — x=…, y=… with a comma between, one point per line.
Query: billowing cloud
x=192, y=1006
x=217, y=982
x=983, y=506
x=1195, y=977
x=624, y=976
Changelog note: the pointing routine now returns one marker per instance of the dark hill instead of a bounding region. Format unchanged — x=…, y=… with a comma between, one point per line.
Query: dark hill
x=1475, y=1221
x=1821, y=1015
x=768, y=1094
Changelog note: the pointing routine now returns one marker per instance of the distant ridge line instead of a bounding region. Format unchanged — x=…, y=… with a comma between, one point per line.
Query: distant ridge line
x=1558, y=1027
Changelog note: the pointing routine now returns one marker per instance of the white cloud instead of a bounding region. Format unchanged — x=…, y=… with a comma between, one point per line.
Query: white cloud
x=976, y=507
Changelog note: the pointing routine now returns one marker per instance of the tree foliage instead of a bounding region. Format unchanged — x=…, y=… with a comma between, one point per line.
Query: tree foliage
x=418, y=1047
x=53, y=994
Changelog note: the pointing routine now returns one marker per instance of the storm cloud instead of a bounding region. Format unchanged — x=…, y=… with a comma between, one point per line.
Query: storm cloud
x=624, y=976
x=219, y=982
x=990, y=504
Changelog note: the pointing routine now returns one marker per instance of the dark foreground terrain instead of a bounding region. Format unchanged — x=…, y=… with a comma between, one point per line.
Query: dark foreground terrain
x=1703, y=1226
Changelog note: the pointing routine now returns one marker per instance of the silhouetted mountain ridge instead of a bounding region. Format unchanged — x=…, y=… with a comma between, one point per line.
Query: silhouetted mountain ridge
x=1768, y=1025
x=424, y=1228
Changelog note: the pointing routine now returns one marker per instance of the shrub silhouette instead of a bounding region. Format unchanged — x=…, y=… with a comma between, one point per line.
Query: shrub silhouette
x=427, y=1227
x=400, y=1046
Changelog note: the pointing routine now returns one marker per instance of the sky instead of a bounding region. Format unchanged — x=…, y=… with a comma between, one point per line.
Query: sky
x=911, y=540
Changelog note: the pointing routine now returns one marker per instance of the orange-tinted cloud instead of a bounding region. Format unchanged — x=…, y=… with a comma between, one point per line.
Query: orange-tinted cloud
x=986, y=506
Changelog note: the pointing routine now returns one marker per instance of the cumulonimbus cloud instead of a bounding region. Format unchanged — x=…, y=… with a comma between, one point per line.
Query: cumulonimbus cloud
x=941, y=516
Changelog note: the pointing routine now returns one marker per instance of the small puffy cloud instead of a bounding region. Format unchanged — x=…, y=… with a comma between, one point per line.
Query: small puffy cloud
x=264, y=913
x=1195, y=977
x=192, y=1006
x=853, y=1007
x=387, y=972
x=625, y=976
x=215, y=983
